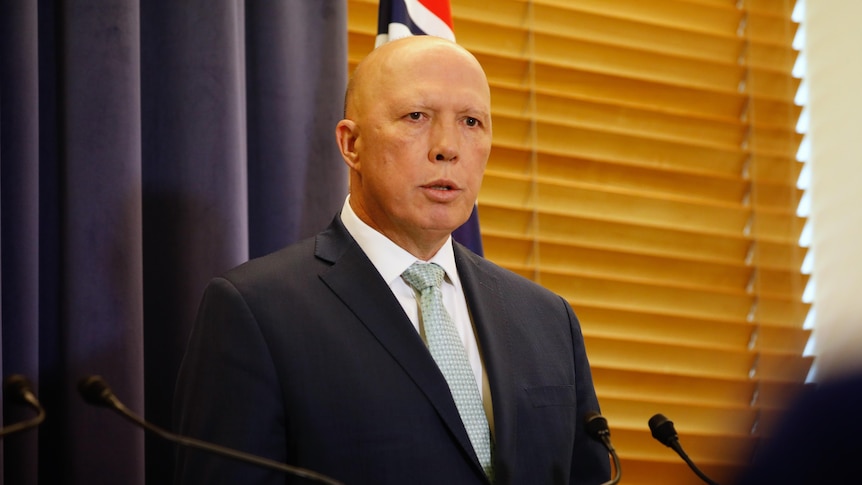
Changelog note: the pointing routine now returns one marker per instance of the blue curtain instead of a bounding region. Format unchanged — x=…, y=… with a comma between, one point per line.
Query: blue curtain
x=146, y=146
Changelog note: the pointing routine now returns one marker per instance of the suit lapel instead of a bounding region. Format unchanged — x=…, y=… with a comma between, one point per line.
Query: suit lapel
x=487, y=309
x=379, y=311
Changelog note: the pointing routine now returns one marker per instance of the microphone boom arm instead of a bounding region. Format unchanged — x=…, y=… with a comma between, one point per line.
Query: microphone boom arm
x=597, y=427
x=17, y=387
x=96, y=392
x=663, y=431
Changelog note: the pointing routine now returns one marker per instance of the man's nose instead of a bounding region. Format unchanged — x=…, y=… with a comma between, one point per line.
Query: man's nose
x=444, y=143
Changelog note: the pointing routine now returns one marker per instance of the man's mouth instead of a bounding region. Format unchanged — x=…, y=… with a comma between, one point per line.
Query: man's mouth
x=441, y=184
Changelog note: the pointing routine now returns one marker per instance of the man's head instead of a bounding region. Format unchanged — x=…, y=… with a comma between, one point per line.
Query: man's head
x=416, y=136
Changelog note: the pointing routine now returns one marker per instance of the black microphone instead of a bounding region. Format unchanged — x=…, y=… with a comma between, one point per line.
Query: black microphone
x=597, y=427
x=663, y=431
x=96, y=391
x=18, y=389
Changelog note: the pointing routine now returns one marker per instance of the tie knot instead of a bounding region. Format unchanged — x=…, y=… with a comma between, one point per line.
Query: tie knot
x=423, y=275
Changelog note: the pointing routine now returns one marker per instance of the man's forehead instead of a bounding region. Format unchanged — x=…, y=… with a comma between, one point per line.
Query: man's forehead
x=402, y=65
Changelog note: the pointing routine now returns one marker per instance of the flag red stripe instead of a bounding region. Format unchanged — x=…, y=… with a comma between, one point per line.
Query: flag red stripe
x=441, y=9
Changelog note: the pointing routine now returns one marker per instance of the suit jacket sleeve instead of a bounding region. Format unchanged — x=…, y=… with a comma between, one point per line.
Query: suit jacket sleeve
x=227, y=393
x=590, y=462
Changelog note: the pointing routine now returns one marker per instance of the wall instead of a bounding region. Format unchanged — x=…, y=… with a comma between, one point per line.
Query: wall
x=833, y=41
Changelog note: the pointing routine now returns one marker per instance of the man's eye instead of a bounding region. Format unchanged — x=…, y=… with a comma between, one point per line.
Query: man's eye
x=415, y=115
x=472, y=122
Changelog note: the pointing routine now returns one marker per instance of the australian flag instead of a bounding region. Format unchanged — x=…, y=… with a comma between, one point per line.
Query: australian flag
x=402, y=18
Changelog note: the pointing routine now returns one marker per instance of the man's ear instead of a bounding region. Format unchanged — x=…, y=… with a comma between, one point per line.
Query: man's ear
x=346, y=133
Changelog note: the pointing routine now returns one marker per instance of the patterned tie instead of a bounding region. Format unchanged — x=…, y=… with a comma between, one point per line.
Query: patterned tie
x=448, y=351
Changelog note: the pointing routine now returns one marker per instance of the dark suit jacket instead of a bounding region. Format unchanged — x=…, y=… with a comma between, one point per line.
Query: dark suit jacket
x=306, y=357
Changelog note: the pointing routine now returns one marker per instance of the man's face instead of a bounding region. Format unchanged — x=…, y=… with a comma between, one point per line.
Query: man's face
x=422, y=141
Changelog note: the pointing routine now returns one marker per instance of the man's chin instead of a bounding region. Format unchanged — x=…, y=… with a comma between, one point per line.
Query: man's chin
x=448, y=225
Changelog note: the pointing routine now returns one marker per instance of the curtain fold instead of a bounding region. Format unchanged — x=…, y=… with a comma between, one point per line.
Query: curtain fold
x=101, y=270
x=19, y=186
x=194, y=195
x=290, y=42
x=145, y=147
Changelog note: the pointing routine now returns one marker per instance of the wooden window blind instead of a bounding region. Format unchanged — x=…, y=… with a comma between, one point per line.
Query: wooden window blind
x=644, y=167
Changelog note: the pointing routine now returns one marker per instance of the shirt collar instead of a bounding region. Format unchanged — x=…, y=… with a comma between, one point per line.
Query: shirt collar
x=390, y=259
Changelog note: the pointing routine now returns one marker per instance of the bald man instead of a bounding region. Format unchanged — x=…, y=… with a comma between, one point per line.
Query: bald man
x=317, y=356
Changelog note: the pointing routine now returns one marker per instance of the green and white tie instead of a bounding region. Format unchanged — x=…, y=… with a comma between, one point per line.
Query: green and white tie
x=448, y=351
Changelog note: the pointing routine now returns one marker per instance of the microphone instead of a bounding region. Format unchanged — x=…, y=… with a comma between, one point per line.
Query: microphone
x=18, y=389
x=663, y=431
x=597, y=427
x=96, y=391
